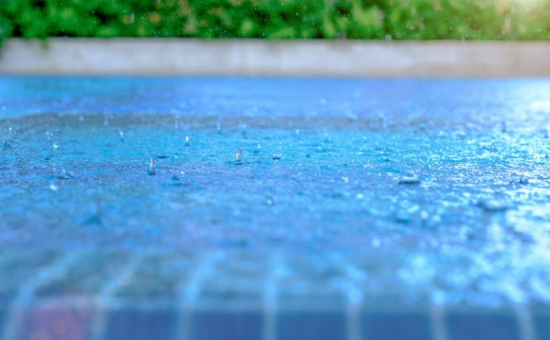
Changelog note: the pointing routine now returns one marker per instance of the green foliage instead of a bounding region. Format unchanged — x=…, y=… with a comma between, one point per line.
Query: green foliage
x=278, y=19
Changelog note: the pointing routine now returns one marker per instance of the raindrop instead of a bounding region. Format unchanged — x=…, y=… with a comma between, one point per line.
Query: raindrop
x=152, y=167
x=243, y=129
x=239, y=156
x=258, y=150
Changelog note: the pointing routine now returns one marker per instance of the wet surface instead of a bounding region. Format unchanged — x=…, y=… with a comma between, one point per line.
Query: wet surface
x=415, y=188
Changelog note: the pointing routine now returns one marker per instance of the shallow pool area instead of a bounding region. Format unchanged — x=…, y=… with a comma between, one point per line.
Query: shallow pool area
x=336, y=196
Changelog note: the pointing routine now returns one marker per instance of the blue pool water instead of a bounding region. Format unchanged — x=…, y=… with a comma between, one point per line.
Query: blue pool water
x=437, y=188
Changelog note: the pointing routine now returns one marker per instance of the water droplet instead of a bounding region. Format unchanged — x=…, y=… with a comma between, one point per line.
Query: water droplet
x=409, y=179
x=96, y=218
x=152, y=167
x=239, y=156
x=63, y=174
x=493, y=205
x=243, y=129
x=187, y=141
x=523, y=180
x=55, y=145
x=121, y=134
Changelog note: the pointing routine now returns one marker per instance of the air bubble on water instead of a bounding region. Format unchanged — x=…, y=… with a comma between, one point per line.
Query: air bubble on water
x=187, y=141
x=152, y=167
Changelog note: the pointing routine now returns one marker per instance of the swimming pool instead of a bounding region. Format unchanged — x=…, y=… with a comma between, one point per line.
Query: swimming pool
x=264, y=204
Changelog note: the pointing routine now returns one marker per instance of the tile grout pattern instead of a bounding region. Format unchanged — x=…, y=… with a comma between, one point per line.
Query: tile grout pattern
x=268, y=317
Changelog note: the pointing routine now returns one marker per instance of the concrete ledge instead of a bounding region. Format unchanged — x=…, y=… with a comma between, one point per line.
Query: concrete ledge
x=280, y=58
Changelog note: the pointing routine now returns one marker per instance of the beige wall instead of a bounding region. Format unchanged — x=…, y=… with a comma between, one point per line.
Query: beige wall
x=282, y=58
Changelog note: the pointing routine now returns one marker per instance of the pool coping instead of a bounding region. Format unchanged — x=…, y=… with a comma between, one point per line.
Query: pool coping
x=348, y=58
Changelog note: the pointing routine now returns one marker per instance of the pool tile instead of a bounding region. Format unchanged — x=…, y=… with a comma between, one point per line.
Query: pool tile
x=141, y=325
x=226, y=325
x=491, y=325
x=311, y=325
x=396, y=326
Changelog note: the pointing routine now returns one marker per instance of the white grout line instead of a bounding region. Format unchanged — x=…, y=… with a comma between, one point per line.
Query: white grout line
x=25, y=295
x=353, y=320
x=354, y=296
x=188, y=294
x=525, y=322
x=439, y=328
x=105, y=297
x=270, y=293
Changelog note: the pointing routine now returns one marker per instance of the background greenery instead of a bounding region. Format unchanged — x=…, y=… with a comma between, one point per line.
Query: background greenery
x=278, y=19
